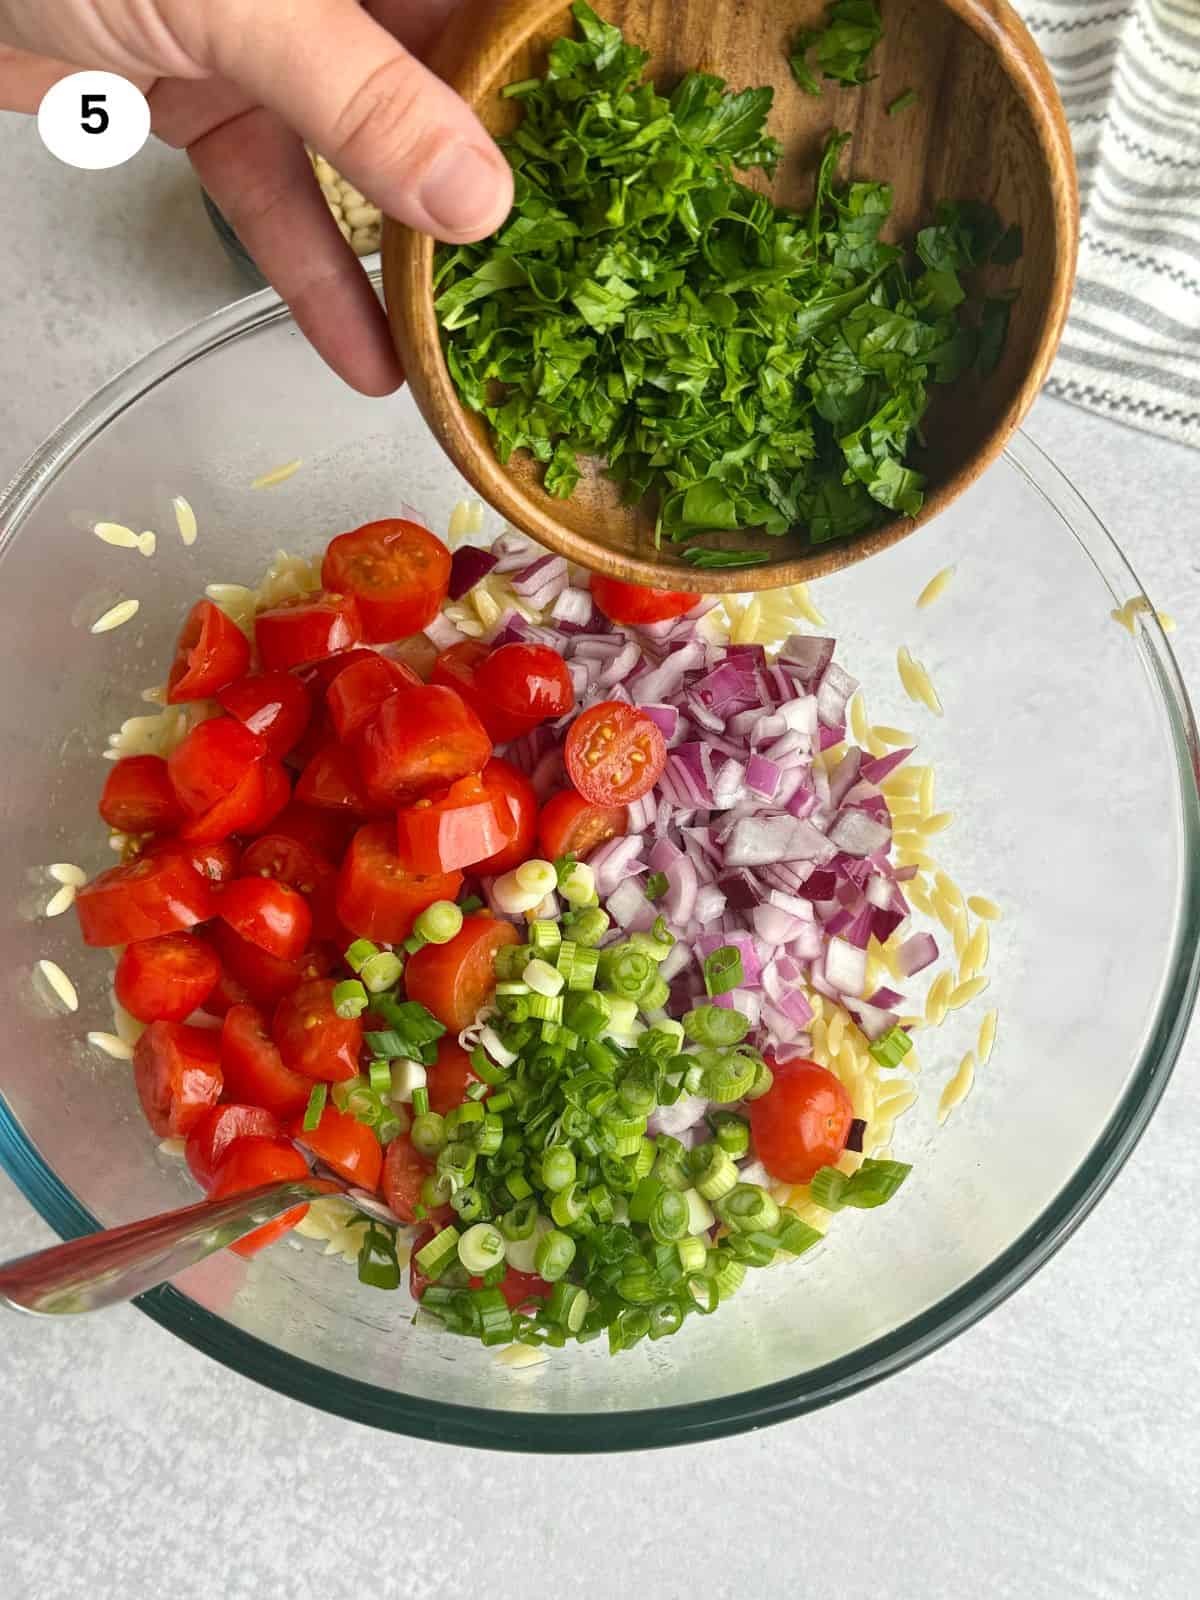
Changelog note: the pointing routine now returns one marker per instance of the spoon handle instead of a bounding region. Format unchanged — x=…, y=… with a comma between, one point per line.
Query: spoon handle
x=104, y=1269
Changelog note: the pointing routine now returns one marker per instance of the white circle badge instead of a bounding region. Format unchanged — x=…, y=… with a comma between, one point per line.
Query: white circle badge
x=94, y=120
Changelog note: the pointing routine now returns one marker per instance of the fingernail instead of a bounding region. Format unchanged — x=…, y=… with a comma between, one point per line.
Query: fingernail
x=462, y=189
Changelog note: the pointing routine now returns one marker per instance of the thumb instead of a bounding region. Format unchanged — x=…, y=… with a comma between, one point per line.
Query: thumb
x=384, y=120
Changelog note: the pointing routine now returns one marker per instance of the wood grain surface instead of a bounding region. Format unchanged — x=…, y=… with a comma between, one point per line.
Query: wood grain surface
x=988, y=125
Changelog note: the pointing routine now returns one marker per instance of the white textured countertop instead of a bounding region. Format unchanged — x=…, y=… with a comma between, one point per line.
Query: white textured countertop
x=1052, y=1451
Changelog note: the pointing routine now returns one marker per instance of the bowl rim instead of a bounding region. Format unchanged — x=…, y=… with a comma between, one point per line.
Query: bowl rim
x=584, y=1432
x=408, y=259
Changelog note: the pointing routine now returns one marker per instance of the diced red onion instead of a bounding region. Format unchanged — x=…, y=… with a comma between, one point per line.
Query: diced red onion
x=833, y=692
x=675, y=1119
x=845, y=967
x=727, y=786
x=800, y=715
x=621, y=665
x=857, y=833
x=879, y=891
x=468, y=565
x=885, y=999
x=776, y=927
x=629, y=908
x=678, y=959
x=842, y=778
x=873, y=1022
x=539, y=575
x=880, y=767
x=547, y=776
x=808, y=654
x=661, y=682
x=573, y=605
x=762, y=777
x=442, y=632
x=614, y=861
x=917, y=953
x=710, y=904
x=665, y=718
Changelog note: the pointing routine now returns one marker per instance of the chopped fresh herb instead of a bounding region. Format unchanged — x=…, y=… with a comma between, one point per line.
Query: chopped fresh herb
x=841, y=49
x=378, y=1263
x=656, y=885
x=746, y=366
x=873, y=1184
x=901, y=103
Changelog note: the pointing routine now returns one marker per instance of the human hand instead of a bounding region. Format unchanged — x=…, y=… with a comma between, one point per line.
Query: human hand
x=242, y=84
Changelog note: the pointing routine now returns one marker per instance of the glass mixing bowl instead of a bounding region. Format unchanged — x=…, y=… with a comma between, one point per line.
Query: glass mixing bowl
x=1067, y=751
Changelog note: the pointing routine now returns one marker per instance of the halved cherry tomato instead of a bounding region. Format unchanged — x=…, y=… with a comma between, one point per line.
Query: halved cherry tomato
x=518, y=686
x=343, y=1143
x=254, y=1069
x=274, y=705
x=167, y=978
x=614, y=753
x=444, y=832
x=138, y=797
x=177, y=1071
x=306, y=628
x=265, y=978
x=377, y=896
x=316, y=676
x=324, y=832
x=453, y=980
x=216, y=861
x=216, y=1130
x=502, y=778
x=456, y=667
x=419, y=739
x=802, y=1122
x=331, y=782
x=146, y=897
x=211, y=761
x=360, y=689
x=270, y=914
x=288, y=861
x=571, y=824
x=631, y=604
x=249, y=1163
x=449, y=1078
x=312, y=1038
x=404, y=1171
x=396, y=570
x=277, y=791
x=241, y=808
x=212, y=652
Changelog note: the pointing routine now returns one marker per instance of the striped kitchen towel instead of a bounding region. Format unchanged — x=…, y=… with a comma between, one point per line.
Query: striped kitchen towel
x=1129, y=76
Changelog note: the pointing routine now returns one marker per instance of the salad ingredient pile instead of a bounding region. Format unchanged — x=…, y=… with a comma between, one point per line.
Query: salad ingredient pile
x=550, y=1002
x=746, y=365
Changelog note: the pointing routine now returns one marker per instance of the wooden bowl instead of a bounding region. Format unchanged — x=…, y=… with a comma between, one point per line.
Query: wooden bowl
x=987, y=125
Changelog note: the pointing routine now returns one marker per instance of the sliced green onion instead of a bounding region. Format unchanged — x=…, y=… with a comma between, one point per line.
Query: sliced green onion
x=543, y=979
x=641, y=1202
x=359, y=953
x=569, y=1205
x=461, y=1117
x=558, y=1167
x=873, y=1184
x=730, y=1273
x=545, y=937
x=495, y=1317
x=622, y=1015
x=588, y=927
x=666, y=1318
x=316, y=1105
x=755, y=1249
x=554, y=1255
x=379, y=1076
x=732, y=1133
x=456, y=1161
x=657, y=945
x=489, y=1135
x=748, y=1208
x=627, y=971
x=577, y=884
x=420, y=1101
x=468, y=1203
x=901, y=102
x=437, y=1255
x=378, y=1264
x=567, y=1305
x=704, y=1292
x=668, y=1219
x=480, y=1247
x=428, y=1133
x=470, y=904
x=693, y=1253
x=536, y=877
x=731, y=1081
x=601, y=1202
x=723, y=970
x=763, y=1079
x=546, y=1007
x=716, y=1026
x=891, y=1049
x=518, y=1185
x=584, y=964
x=381, y=971
x=639, y=1285
x=511, y=960
x=518, y=1221
x=390, y=1127
x=435, y=1191
x=587, y=1014
x=656, y=885
x=349, y=999
x=629, y=1328
x=795, y=1235
x=440, y=922
x=713, y=1171
x=656, y=994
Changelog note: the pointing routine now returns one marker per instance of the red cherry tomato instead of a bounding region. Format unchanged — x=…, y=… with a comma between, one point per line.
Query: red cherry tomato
x=630, y=603
x=331, y=782
x=457, y=829
x=216, y=1130
x=146, y=897
x=177, y=1071
x=453, y=980
x=404, y=1171
x=802, y=1122
x=377, y=896
x=516, y=791
x=254, y=1069
x=614, y=753
x=323, y=832
x=456, y=667
x=167, y=978
x=270, y=914
x=274, y=705
x=138, y=797
x=360, y=689
x=418, y=740
x=306, y=628
x=216, y=861
x=249, y=1163
x=239, y=810
x=396, y=570
x=264, y=977
x=345, y=1144
x=212, y=652
x=316, y=676
x=288, y=861
x=313, y=1040
x=276, y=793
x=449, y=1078
x=569, y=824
x=519, y=686
x=210, y=763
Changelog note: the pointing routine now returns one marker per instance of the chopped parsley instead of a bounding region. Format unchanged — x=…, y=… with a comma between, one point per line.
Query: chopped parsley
x=841, y=49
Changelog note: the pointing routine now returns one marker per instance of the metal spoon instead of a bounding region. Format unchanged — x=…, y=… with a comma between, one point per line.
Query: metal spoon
x=107, y=1268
